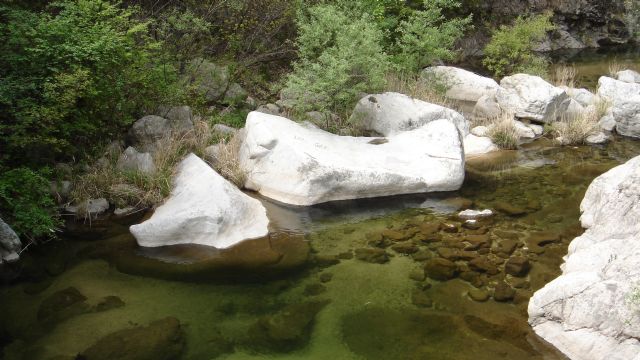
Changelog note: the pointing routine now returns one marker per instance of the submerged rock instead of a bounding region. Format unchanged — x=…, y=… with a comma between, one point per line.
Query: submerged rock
x=62, y=305
x=302, y=166
x=392, y=113
x=440, y=269
x=287, y=329
x=204, y=209
x=375, y=256
x=586, y=312
x=160, y=340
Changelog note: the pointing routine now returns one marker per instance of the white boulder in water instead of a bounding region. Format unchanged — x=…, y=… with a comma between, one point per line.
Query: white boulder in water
x=587, y=312
x=300, y=165
x=391, y=113
x=530, y=97
x=203, y=209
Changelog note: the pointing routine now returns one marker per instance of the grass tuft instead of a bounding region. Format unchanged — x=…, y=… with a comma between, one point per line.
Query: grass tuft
x=503, y=132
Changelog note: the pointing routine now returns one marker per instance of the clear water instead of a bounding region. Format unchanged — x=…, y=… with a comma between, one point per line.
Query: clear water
x=374, y=311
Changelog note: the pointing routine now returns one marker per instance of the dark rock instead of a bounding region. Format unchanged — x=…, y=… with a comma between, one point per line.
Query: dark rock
x=507, y=234
x=34, y=288
x=510, y=209
x=394, y=235
x=287, y=329
x=449, y=228
x=477, y=241
x=326, y=260
x=216, y=345
x=61, y=306
x=417, y=275
x=420, y=298
x=108, y=303
x=482, y=264
x=347, y=255
x=422, y=255
x=428, y=229
x=519, y=283
x=440, y=269
x=405, y=248
x=506, y=246
x=503, y=292
x=517, y=266
x=314, y=289
x=456, y=254
x=478, y=295
x=160, y=340
x=325, y=277
x=375, y=256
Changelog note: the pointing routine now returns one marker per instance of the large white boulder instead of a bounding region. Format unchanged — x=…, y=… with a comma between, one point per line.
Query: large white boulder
x=530, y=97
x=586, y=312
x=461, y=84
x=628, y=76
x=615, y=90
x=626, y=113
x=203, y=209
x=391, y=113
x=302, y=165
x=583, y=96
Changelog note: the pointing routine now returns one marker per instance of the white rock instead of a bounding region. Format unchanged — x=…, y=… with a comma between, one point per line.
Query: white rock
x=530, y=97
x=122, y=212
x=615, y=90
x=537, y=129
x=132, y=160
x=480, y=131
x=297, y=165
x=607, y=122
x=599, y=138
x=585, y=312
x=224, y=129
x=461, y=84
x=89, y=208
x=474, y=214
x=478, y=145
x=628, y=76
x=523, y=131
x=574, y=110
x=391, y=113
x=203, y=209
x=582, y=96
x=10, y=244
x=626, y=113
x=487, y=107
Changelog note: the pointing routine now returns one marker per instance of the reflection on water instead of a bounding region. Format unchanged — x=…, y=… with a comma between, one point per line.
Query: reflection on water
x=393, y=278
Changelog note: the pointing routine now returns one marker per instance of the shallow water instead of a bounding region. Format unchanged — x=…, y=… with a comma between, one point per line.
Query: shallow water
x=362, y=310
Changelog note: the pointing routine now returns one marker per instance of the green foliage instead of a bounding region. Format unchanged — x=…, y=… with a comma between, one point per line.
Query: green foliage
x=234, y=119
x=511, y=47
x=427, y=36
x=72, y=75
x=25, y=202
x=340, y=56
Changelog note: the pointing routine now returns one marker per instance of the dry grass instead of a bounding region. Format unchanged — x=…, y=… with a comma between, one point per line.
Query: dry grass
x=132, y=188
x=575, y=130
x=565, y=76
x=429, y=90
x=502, y=131
x=226, y=160
x=615, y=67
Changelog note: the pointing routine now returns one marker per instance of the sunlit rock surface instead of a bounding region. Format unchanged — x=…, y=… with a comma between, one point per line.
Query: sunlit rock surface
x=299, y=165
x=587, y=312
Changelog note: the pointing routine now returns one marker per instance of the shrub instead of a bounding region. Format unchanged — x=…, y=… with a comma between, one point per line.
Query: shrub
x=340, y=56
x=26, y=203
x=427, y=36
x=510, y=49
x=72, y=75
x=417, y=87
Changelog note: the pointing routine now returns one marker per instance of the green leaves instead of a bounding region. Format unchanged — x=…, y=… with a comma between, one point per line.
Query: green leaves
x=511, y=47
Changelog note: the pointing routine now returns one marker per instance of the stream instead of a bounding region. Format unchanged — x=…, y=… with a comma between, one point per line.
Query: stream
x=375, y=280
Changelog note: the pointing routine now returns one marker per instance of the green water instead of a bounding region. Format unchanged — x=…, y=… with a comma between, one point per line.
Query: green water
x=334, y=306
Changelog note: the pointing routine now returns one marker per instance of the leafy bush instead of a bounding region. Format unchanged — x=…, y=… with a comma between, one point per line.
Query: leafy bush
x=427, y=36
x=340, y=56
x=26, y=204
x=72, y=75
x=511, y=47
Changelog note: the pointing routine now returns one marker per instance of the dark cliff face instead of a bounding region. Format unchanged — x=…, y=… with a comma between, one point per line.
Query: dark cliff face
x=580, y=23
